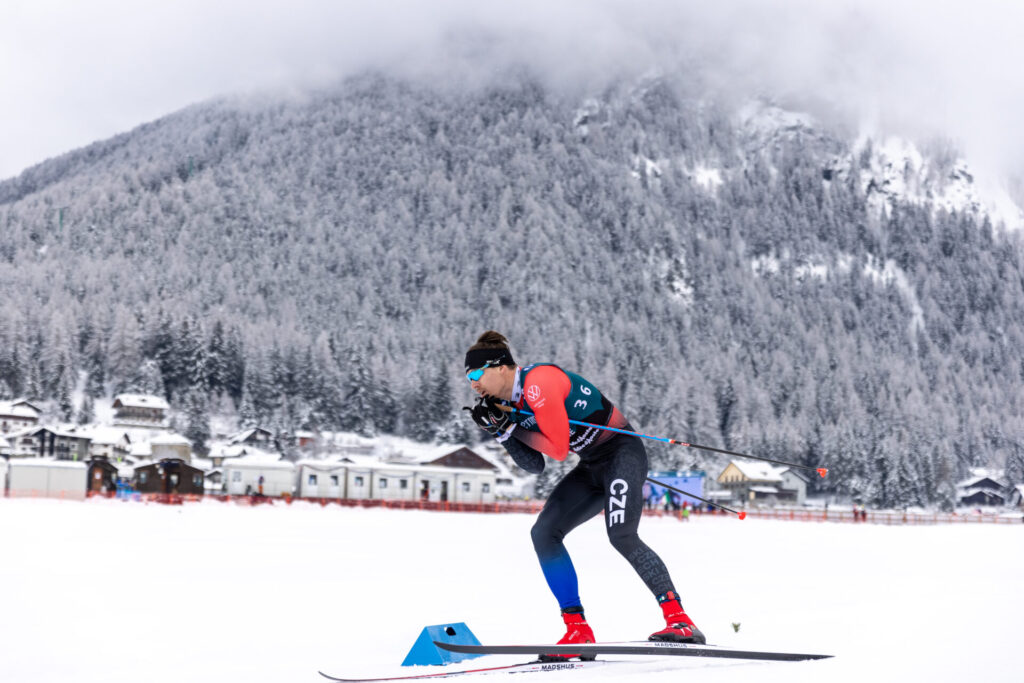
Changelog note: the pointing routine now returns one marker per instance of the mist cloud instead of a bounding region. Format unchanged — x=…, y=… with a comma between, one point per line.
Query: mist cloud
x=72, y=73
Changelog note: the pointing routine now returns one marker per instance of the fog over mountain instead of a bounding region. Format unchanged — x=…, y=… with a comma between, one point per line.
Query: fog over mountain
x=78, y=73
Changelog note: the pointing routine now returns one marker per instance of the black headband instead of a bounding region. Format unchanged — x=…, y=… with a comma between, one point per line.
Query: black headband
x=480, y=358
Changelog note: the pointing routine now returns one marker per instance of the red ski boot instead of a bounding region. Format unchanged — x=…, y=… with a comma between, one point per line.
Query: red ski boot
x=578, y=631
x=679, y=628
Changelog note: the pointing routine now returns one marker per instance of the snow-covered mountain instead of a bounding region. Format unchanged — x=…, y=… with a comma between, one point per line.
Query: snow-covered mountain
x=745, y=277
x=891, y=169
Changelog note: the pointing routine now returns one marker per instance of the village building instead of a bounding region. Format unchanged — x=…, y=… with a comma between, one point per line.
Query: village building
x=140, y=411
x=17, y=415
x=102, y=475
x=1017, y=496
x=170, y=446
x=759, y=482
x=213, y=482
x=983, y=488
x=460, y=476
x=23, y=443
x=255, y=436
x=169, y=476
x=794, y=484
x=220, y=453
x=46, y=442
x=304, y=439
x=259, y=473
x=322, y=478
x=462, y=458
x=139, y=453
x=106, y=442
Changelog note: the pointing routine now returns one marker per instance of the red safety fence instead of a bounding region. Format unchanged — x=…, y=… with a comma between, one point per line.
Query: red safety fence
x=35, y=493
x=504, y=506
x=887, y=517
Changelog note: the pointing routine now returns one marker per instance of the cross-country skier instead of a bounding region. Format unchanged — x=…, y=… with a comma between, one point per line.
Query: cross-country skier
x=609, y=476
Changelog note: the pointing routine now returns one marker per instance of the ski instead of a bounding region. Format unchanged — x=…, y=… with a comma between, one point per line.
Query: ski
x=633, y=648
x=524, y=667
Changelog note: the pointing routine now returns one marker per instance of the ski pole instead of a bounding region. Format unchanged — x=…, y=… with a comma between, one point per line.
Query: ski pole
x=822, y=471
x=741, y=515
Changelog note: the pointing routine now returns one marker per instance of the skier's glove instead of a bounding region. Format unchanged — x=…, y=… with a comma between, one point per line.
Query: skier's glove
x=492, y=419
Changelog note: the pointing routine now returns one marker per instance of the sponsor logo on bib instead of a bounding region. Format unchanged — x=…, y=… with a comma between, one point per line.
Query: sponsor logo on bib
x=533, y=396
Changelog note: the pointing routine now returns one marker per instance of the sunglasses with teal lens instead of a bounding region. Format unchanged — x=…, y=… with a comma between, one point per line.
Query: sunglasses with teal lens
x=475, y=375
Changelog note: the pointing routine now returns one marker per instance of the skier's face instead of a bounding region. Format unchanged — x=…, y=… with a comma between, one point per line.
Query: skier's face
x=493, y=381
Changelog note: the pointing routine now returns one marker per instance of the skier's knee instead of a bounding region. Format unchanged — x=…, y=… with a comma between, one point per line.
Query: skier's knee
x=544, y=536
x=625, y=544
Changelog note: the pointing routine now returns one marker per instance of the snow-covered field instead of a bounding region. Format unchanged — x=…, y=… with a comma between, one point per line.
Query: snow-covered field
x=114, y=591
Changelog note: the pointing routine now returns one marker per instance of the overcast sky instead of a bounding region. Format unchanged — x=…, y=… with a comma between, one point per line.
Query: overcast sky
x=72, y=72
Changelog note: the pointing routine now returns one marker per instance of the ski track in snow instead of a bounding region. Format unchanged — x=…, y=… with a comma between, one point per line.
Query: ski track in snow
x=117, y=591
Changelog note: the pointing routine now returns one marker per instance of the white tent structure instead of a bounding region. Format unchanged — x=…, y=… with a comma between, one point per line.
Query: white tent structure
x=46, y=477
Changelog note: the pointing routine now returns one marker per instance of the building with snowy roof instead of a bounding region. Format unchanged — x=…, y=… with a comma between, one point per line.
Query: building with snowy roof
x=761, y=482
x=25, y=403
x=49, y=442
x=213, y=481
x=304, y=439
x=254, y=436
x=102, y=475
x=170, y=445
x=247, y=474
x=322, y=478
x=462, y=458
x=140, y=411
x=169, y=476
x=1017, y=496
x=459, y=476
x=17, y=415
x=983, y=488
x=794, y=485
x=105, y=442
x=220, y=453
x=140, y=451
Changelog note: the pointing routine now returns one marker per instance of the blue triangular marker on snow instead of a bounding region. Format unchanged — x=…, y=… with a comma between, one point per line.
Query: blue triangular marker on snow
x=424, y=652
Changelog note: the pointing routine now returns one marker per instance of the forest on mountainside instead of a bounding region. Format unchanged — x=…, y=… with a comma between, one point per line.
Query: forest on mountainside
x=324, y=262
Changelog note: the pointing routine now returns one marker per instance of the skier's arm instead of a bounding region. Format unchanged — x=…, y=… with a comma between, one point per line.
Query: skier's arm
x=489, y=415
x=545, y=390
x=525, y=457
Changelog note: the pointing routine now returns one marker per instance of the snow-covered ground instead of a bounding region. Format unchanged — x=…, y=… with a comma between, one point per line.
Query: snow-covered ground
x=115, y=591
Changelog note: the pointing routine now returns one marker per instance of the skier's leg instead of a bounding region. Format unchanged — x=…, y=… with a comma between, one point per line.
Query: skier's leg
x=624, y=475
x=573, y=501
